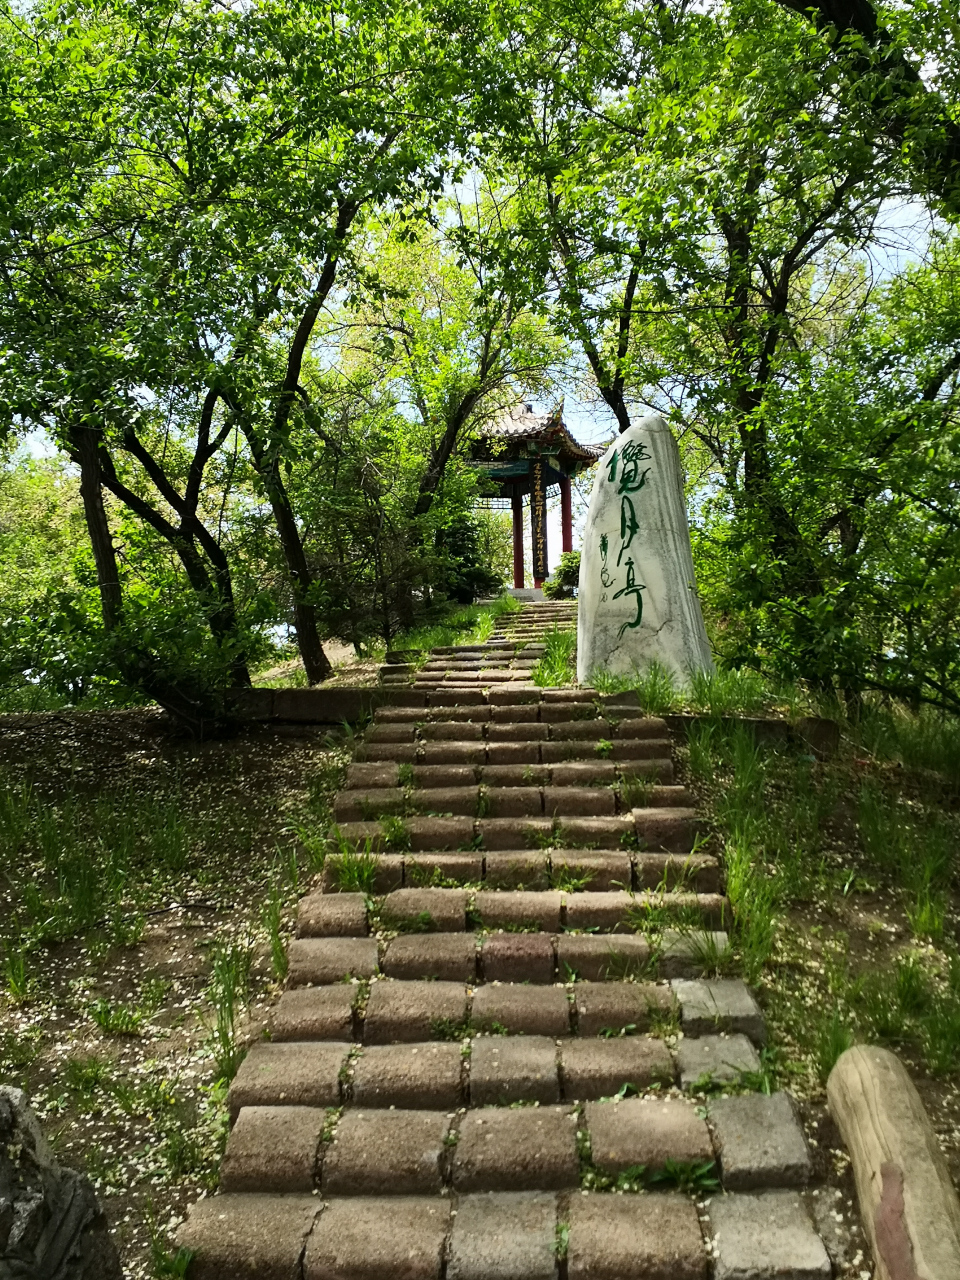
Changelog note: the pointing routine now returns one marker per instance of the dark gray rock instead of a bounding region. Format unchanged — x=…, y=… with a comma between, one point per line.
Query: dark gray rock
x=51, y=1227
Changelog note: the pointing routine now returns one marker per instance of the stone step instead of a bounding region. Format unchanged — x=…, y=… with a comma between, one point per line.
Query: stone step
x=503, y=1234
x=325, y=915
x=569, y=870
x=405, y=1011
x=555, y=1146
x=469, y=957
x=518, y=799
x=669, y=830
x=529, y=710
x=582, y=773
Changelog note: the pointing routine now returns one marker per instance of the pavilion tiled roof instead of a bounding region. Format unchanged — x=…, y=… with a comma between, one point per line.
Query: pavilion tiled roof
x=521, y=424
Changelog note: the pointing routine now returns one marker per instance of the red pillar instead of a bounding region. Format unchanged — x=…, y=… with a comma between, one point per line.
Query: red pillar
x=517, y=502
x=566, y=513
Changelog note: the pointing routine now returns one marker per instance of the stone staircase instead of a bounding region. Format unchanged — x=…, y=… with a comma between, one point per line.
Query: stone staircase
x=496, y=1011
x=509, y=656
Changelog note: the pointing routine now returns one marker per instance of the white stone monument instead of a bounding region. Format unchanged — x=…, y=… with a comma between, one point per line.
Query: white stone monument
x=637, y=599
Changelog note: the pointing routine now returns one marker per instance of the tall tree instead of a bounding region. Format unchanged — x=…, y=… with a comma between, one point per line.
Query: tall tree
x=185, y=182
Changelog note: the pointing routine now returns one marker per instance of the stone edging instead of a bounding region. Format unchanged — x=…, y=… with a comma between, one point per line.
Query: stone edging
x=349, y=704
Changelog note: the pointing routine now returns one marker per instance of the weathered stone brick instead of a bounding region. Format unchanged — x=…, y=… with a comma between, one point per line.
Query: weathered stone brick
x=523, y=732
x=304, y=1075
x=597, y=957
x=687, y=954
x=516, y=714
x=361, y=776
x=514, y=833
x=513, y=697
x=505, y=1069
x=386, y=872
x=451, y=753
x=515, y=775
x=677, y=870
x=439, y=833
x=672, y=830
x=504, y=1237
x=332, y=915
x=248, y=1237
x=425, y=1076
x=457, y=698
x=605, y=912
x=655, y=1237
x=315, y=1013
x=581, y=730
x=721, y=1004
x=517, y=870
x=405, y=1012
x=460, y=801
x=421, y=870
x=445, y=775
x=592, y=1069
x=385, y=1152
x=514, y=752
x=372, y=1238
x=637, y=749
x=768, y=1235
x=451, y=731
x=273, y=1149
x=595, y=833
x=615, y=1006
x=574, y=801
x=316, y=961
x=512, y=802
x=721, y=1058
x=451, y=957
x=443, y=910
x=518, y=957
x=600, y=872
x=759, y=1142
x=389, y=733
x=584, y=773
x=647, y=1131
x=506, y=910
x=522, y=1010
x=650, y=770
x=358, y=806
x=517, y=1149
x=398, y=752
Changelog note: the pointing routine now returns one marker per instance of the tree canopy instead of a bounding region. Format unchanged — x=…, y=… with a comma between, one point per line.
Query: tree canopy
x=268, y=268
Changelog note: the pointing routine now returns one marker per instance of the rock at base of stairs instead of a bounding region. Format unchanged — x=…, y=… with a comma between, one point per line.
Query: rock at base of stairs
x=50, y=1222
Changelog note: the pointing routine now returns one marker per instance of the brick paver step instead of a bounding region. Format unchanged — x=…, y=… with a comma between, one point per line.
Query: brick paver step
x=498, y=957
x=564, y=824
x=403, y=1011
x=515, y=1234
x=446, y=910
x=494, y=1145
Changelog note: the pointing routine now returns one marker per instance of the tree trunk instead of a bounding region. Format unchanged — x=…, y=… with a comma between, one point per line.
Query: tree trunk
x=104, y=553
x=315, y=662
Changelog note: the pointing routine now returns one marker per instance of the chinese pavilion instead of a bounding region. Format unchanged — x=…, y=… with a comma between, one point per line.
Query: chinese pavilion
x=525, y=454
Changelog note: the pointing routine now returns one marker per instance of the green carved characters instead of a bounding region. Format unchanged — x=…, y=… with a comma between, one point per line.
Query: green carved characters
x=631, y=480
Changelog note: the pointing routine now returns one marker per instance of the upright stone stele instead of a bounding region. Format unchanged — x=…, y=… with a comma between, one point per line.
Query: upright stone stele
x=637, y=600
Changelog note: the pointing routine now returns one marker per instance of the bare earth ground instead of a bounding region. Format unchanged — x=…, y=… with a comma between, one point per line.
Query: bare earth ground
x=140, y=1112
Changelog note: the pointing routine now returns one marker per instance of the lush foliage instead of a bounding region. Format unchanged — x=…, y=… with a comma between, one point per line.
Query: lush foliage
x=270, y=267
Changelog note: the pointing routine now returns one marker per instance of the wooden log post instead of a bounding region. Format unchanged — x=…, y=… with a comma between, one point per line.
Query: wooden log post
x=909, y=1207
